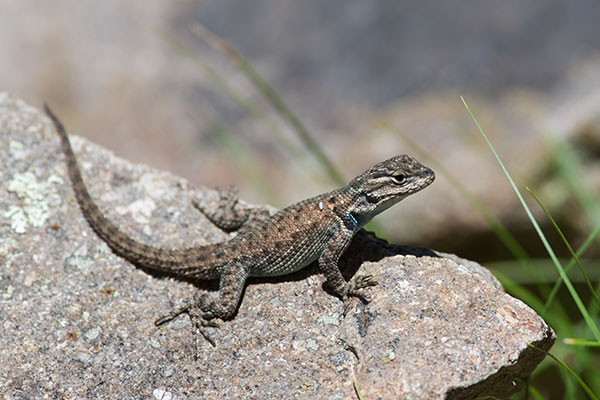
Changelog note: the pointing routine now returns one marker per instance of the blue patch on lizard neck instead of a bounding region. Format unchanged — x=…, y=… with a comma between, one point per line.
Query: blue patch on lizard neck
x=353, y=222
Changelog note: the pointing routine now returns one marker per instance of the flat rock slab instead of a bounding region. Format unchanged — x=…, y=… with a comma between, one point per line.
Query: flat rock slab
x=77, y=321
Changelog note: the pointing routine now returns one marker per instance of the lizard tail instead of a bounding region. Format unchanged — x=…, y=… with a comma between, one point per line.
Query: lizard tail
x=192, y=262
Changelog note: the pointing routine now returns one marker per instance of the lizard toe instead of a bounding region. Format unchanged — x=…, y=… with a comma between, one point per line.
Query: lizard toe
x=361, y=282
x=354, y=289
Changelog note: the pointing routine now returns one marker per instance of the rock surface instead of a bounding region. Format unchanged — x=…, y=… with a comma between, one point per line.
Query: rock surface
x=77, y=321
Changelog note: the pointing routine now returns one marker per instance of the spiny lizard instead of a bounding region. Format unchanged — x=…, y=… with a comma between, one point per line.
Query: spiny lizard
x=319, y=228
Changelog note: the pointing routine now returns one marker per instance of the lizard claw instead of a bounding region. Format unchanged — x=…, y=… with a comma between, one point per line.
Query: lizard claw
x=353, y=289
x=360, y=282
x=201, y=320
x=172, y=315
x=200, y=330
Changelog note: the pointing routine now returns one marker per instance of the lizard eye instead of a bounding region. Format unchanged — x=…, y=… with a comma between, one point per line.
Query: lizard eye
x=399, y=178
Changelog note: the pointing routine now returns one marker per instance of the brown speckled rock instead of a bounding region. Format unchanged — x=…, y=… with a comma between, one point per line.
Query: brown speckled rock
x=77, y=321
x=436, y=328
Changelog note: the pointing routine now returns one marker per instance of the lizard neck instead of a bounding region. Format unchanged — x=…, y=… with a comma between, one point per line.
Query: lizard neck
x=362, y=209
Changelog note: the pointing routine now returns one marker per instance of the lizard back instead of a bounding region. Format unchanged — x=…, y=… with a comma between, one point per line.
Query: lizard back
x=295, y=236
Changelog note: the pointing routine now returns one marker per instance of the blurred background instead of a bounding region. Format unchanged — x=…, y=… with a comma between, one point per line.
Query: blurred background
x=367, y=79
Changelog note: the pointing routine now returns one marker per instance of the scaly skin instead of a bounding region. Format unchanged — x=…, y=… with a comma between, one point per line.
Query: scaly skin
x=319, y=228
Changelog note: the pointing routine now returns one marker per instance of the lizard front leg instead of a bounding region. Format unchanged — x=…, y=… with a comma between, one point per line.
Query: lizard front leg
x=204, y=307
x=328, y=264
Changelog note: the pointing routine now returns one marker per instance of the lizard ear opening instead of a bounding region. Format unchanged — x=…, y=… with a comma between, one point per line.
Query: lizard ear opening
x=370, y=198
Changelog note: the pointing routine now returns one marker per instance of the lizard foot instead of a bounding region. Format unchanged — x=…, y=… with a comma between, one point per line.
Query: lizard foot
x=353, y=289
x=200, y=319
x=228, y=215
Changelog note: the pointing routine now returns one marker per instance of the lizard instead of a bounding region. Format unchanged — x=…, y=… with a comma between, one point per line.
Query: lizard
x=316, y=229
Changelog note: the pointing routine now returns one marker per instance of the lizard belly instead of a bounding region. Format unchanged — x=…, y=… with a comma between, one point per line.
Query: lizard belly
x=277, y=264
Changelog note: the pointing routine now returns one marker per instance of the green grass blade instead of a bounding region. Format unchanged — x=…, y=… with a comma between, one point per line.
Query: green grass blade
x=248, y=106
x=546, y=269
x=585, y=387
x=509, y=241
x=278, y=105
x=590, y=322
x=534, y=392
x=272, y=97
x=588, y=241
x=594, y=309
x=573, y=173
x=581, y=342
x=566, y=242
x=357, y=389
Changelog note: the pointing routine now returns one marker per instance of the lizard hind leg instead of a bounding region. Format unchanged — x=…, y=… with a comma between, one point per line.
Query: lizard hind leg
x=229, y=215
x=203, y=308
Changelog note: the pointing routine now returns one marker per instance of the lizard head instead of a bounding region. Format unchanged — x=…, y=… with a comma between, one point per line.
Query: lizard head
x=389, y=181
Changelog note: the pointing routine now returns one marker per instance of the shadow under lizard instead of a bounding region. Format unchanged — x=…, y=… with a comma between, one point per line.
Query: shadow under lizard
x=319, y=228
